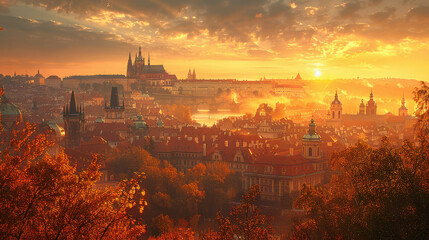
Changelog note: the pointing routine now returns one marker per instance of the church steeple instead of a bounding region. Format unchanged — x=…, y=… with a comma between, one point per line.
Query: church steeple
x=140, y=51
x=115, y=112
x=189, y=74
x=73, y=107
x=371, y=96
x=148, y=59
x=129, y=66
x=194, y=76
x=74, y=122
x=312, y=127
x=403, y=111
x=311, y=142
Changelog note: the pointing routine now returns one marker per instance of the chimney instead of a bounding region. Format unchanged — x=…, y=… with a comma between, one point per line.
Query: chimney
x=291, y=151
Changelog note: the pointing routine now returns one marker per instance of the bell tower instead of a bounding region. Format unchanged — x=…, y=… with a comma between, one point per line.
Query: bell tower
x=371, y=106
x=336, y=108
x=403, y=111
x=311, y=142
x=74, y=122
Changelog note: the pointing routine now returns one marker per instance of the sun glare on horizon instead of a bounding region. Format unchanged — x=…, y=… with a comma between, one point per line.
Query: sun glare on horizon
x=317, y=73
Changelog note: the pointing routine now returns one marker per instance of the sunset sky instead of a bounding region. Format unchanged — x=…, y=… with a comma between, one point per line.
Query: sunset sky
x=243, y=39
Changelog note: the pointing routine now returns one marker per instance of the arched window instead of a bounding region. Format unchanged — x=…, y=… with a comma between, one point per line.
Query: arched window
x=339, y=114
x=333, y=115
x=310, y=152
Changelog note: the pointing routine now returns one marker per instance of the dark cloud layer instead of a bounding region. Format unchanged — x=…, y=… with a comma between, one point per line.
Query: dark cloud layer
x=225, y=29
x=245, y=20
x=36, y=42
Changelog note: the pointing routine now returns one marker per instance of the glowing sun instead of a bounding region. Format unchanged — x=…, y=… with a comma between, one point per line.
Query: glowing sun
x=317, y=73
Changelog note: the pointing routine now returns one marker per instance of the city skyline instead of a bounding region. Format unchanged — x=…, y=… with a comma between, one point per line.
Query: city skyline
x=222, y=39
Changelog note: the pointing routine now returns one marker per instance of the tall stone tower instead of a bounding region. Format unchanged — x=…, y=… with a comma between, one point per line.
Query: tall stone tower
x=139, y=63
x=311, y=142
x=403, y=111
x=361, y=108
x=114, y=112
x=74, y=122
x=371, y=106
x=336, y=108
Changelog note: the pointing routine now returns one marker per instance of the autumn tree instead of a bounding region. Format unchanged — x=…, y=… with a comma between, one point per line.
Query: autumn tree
x=245, y=221
x=43, y=197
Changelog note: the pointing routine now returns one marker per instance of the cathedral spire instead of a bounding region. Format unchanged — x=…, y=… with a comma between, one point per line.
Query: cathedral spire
x=189, y=74
x=336, y=94
x=140, y=51
x=403, y=99
x=148, y=58
x=73, y=107
x=194, y=76
x=371, y=96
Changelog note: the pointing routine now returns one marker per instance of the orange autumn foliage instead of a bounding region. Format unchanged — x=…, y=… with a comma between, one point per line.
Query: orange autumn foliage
x=43, y=197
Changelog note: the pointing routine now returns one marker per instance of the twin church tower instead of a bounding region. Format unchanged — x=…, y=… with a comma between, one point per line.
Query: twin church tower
x=74, y=117
x=367, y=112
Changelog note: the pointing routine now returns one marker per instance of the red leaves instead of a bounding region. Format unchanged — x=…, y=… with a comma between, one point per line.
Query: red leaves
x=245, y=221
x=44, y=198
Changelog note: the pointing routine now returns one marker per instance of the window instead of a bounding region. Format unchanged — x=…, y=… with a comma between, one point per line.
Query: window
x=333, y=115
x=310, y=152
x=339, y=114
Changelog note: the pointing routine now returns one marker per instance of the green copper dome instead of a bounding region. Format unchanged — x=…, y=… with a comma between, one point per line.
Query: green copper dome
x=7, y=108
x=139, y=123
x=312, y=134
